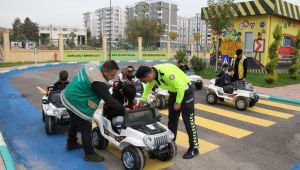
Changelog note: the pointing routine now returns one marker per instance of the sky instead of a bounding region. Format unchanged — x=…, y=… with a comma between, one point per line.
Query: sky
x=69, y=12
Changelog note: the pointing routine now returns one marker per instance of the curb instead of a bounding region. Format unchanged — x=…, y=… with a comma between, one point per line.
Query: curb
x=280, y=99
x=8, y=69
x=5, y=155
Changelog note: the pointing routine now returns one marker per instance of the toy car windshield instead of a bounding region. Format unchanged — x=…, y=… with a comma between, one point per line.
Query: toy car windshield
x=54, y=98
x=239, y=85
x=140, y=117
x=189, y=73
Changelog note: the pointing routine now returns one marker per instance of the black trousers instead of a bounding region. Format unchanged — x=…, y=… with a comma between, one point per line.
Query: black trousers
x=188, y=115
x=85, y=128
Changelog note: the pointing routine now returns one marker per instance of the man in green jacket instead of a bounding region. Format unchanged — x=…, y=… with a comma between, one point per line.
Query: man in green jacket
x=181, y=99
x=82, y=97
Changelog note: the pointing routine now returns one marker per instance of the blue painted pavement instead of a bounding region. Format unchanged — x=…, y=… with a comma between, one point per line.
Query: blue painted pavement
x=23, y=129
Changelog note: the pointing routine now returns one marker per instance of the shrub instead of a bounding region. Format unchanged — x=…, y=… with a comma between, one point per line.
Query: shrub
x=273, y=55
x=181, y=57
x=293, y=70
x=198, y=64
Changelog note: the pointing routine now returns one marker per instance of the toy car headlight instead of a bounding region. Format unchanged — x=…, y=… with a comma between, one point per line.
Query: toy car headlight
x=56, y=112
x=170, y=135
x=148, y=142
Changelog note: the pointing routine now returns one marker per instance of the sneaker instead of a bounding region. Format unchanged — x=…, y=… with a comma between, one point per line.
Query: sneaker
x=73, y=146
x=93, y=158
x=191, y=153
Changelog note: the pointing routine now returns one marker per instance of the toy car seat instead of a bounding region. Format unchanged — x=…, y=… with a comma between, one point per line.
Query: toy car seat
x=118, y=123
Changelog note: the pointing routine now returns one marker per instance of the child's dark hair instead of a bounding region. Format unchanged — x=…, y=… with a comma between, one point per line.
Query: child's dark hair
x=129, y=91
x=230, y=69
x=63, y=75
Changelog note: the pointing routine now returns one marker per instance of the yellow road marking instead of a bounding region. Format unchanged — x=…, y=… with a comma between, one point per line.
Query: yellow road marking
x=182, y=140
x=41, y=89
x=150, y=163
x=233, y=115
x=270, y=112
x=217, y=126
x=280, y=105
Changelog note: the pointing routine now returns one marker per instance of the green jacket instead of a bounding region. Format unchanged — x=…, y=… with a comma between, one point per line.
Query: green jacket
x=79, y=96
x=169, y=77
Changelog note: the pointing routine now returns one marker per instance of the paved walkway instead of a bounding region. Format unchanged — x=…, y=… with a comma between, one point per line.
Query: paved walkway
x=290, y=91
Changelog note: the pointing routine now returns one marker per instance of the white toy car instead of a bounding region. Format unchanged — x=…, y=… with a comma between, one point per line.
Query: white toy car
x=158, y=98
x=139, y=131
x=243, y=96
x=53, y=112
x=195, y=79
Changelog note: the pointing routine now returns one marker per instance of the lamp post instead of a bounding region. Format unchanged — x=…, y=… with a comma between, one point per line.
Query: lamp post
x=110, y=30
x=197, y=38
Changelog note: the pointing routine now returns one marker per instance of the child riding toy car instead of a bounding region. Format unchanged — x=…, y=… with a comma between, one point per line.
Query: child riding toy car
x=53, y=111
x=243, y=95
x=137, y=131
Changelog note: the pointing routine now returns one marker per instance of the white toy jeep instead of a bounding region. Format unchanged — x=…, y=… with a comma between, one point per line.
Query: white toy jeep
x=243, y=95
x=53, y=111
x=137, y=133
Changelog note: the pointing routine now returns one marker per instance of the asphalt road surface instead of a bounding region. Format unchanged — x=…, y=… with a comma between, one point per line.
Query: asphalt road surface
x=266, y=136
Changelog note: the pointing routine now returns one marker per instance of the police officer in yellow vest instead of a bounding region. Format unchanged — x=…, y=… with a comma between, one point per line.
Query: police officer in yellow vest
x=181, y=99
x=82, y=97
x=240, y=66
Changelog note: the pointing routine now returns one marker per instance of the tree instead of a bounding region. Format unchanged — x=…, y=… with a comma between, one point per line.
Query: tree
x=88, y=33
x=293, y=70
x=218, y=15
x=197, y=37
x=71, y=42
x=25, y=31
x=273, y=56
x=149, y=29
x=16, y=34
x=173, y=35
x=30, y=30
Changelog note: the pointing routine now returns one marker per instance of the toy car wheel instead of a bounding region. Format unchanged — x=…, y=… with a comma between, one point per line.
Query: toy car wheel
x=98, y=140
x=43, y=115
x=169, y=155
x=160, y=102
x=199, y=85
x=212, y=98
x=133, y=158
x=241, y=103
x=50, y=124
x=252, y=102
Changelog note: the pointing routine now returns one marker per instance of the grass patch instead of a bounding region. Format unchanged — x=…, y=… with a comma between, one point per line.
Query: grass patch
x=2, y=65
x=14, y=64
x=255, y=78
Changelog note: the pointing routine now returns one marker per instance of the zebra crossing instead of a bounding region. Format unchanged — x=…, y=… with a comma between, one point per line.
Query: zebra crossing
x=222, y=128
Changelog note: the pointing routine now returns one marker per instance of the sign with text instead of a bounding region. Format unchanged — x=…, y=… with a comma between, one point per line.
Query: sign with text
x=83, y=55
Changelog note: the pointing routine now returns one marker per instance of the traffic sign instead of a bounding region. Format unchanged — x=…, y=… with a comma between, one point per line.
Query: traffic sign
x=225, y=59
x=259, y=45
